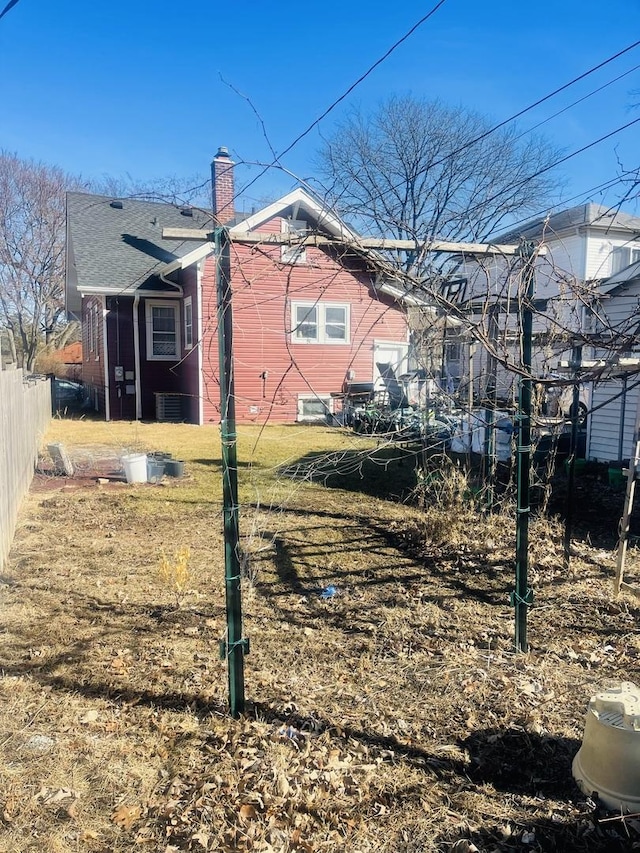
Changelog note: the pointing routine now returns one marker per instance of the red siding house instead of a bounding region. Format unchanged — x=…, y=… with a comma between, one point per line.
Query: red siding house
x=306, y=320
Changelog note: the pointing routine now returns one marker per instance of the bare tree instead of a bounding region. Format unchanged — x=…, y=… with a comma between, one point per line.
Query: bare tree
x=32, y=217
x=32, y=243
x=418, y=169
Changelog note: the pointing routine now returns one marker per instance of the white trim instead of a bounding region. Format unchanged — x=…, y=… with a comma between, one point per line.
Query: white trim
x=105, y=346
x=131, y=291
x=321, y=323
x=187, y=260
x=149, y=305
x=306, y=203
x=188, y=329
x=199, y=270
x=136, y=354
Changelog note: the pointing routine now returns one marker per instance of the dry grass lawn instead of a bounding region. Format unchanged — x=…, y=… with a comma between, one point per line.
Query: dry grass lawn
x=392, y=716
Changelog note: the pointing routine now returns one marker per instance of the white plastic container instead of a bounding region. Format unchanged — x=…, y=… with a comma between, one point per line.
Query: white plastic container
x=608, y=762
x=135, y=467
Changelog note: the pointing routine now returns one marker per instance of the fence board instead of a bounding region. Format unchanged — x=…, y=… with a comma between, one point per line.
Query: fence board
x=25, y=413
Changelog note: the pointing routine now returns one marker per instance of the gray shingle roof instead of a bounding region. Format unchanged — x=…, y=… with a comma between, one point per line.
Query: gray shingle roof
x=122, y=249
x=595, y=215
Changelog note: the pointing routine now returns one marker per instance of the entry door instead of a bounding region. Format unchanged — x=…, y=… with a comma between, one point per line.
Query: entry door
x=388, y=356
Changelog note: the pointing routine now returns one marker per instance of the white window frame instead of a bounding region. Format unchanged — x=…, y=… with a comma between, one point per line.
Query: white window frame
x=150, y=304
x=90, y=341
x=325, y=399
x=188, y=323
x=624, y=256
x=96, y=336
x=321, y=323
x=293, y=254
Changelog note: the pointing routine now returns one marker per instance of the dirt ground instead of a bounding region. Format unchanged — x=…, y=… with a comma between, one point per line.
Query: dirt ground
x=386, y=707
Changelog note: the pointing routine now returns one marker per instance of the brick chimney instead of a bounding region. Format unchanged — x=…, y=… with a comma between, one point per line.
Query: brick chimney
x=223, y=186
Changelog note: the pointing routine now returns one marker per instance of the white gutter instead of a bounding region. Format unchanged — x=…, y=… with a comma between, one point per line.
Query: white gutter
x=105, y=349
x=136, y=348
x=185, y=261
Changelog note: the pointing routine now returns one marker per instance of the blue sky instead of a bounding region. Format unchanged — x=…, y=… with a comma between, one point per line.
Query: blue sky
x=138, y=87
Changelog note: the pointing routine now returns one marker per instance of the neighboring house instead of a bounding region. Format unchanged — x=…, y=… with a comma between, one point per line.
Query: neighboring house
x=584, y=245
x=69, y=359
x=306, y=320
x=614, y=398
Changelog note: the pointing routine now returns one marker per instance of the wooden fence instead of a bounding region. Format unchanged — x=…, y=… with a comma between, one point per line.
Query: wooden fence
x=25, y=413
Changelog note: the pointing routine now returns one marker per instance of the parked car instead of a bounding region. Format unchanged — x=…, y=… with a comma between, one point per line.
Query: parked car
x=66, y=394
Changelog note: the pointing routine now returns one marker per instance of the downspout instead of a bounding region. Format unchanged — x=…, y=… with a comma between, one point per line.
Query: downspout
x=105, y=350
x=199, y=269
x=176, y=287
x=136, y=351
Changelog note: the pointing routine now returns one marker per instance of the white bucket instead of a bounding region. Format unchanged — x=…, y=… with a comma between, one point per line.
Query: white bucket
x=135, y=467
x=608, y=762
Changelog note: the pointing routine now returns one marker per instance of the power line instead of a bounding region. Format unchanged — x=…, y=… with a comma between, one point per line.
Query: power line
x=585, y=194
x=478, y=138
x=345, y=94
x=579, y=101
x=9, y=5
x=521, y=112
x=556, y=163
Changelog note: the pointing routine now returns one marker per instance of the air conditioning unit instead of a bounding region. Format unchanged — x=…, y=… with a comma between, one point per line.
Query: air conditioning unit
x=169, y=408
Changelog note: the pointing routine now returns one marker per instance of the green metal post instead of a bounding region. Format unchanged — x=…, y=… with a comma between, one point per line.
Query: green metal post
x=522, y=595
x=576, y=363
x=490, y=410
x=235, y=645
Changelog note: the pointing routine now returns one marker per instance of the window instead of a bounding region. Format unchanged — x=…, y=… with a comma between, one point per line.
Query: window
x=188, y=323
x=89, y=325
x=293, y=254
x=622, y=256
x=163, y=338
x=313, y=408
x=95, y=332
x=452, y=351
x=319, y=323
x=92, y=330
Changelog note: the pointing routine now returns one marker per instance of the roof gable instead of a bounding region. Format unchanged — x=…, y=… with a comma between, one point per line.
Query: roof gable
x=590, y=215
x=298, y=201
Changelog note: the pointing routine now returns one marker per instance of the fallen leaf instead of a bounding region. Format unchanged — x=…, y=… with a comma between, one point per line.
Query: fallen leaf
x=202, y=838
x=125, y=816
x=247, y=811
x=90, y=717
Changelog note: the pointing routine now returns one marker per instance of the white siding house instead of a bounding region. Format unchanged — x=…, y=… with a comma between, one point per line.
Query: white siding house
x=584, y=245
x=615, y=400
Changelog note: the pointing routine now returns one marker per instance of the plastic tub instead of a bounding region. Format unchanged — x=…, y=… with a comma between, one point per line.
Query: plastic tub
x=608, y=762
x=155, y=470
x=135, y=467
x=174, y=468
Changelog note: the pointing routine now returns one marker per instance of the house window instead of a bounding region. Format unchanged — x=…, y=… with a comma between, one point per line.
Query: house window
x=622, y=256
x=313, y=408
x=188, y=323
x=95, y=332
x=163, y=335
x=452, y=351
x=92, y=329
x=293, y=254
x=89, y=323
x=319, y=323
